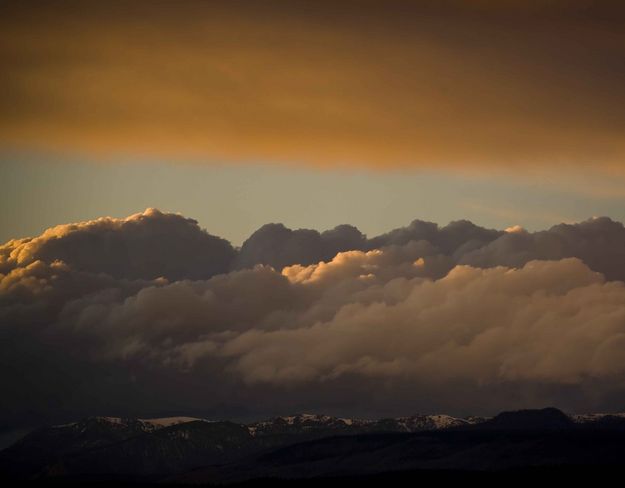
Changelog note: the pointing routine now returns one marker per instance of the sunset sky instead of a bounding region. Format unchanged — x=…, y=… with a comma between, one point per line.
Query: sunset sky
x=501, y=112
x=221, y=117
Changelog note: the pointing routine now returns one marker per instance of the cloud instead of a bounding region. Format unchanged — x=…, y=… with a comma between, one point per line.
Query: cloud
x=278, y=246
x=431, y=84
x=546, y=322
x=550, y=321
x=599, y=242
x=146, y=245
x=456, y=237
x=429, y=318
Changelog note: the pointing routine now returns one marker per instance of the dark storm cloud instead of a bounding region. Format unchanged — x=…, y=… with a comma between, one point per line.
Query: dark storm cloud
x=457, y=317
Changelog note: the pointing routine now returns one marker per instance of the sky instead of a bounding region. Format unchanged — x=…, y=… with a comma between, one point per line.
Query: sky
x=502, y=112
x=233, y=201
x=499, y=108
x=237, y=209
x=450, y=83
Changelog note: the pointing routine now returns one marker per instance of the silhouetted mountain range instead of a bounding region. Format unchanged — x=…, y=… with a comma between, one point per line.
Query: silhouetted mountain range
x=185, y=449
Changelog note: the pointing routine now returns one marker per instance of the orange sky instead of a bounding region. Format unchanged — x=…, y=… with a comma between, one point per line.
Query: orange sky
x=383, y=84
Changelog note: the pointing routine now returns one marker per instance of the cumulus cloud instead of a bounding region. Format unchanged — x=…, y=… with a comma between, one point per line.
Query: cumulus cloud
x=457, y=236
x=549, y=321
x=599, y=242
x=114, y=313
x=278, y=246
x=145, y=245
x=554, y=321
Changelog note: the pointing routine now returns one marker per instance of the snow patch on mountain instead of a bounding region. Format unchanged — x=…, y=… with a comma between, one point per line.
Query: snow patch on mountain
x=446, y=421
x=160, y=423
x=147, y=425
x=585, y=418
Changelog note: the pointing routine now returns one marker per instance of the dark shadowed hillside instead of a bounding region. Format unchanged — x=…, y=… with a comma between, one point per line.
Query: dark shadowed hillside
x=187, y=450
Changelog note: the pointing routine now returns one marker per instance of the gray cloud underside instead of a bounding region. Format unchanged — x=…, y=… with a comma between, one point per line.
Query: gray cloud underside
x=152, y=312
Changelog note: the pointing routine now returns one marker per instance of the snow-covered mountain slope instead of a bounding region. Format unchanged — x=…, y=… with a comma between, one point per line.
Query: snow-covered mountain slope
x=317, y=423
x=146, y=447
x=428, y=422
x=131, y=424
x=160, y=423
x=312, y=422
x=304, y=423
x=299, y=423
x=586, y=418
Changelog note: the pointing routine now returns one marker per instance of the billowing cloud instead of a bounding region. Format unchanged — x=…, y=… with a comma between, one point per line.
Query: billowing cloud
x=455, y=318
x=392, y=84
x=599, y=242
x=277, y=246
x=456, y=238
x=146, y=245
x=546, y=322
x=551, y=321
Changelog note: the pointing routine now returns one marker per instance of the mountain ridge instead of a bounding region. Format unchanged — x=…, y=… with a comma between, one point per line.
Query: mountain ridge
x=171, y=446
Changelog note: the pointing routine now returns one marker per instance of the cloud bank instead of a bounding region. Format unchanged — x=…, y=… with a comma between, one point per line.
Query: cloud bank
x=152, y=313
